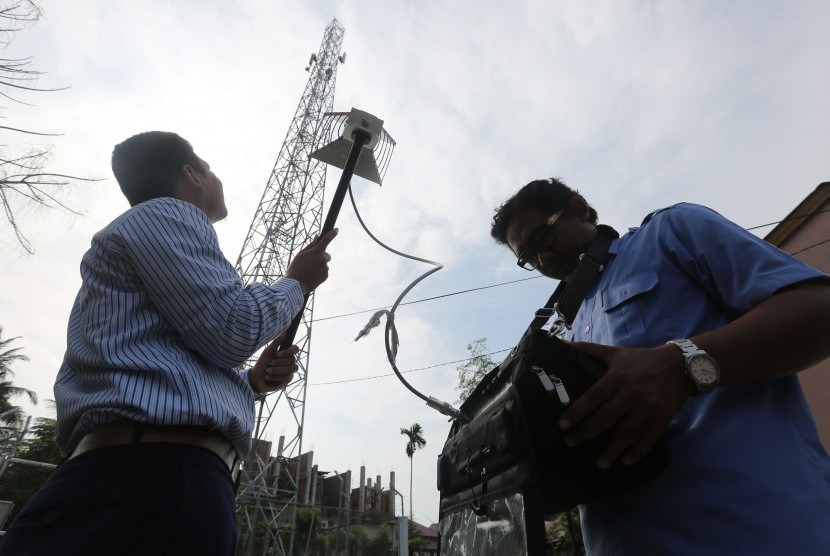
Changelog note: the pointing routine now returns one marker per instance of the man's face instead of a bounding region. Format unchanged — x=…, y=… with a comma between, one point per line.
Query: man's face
x=552, y=249
x=213, y=201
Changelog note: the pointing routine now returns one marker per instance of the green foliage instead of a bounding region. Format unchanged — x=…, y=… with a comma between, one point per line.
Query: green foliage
x=415, y=542
x=358, y=540
x=308, y=526
x=415, y=441
x=380, y=544
x=471, y=372
x=11, y=416
x=20, y=481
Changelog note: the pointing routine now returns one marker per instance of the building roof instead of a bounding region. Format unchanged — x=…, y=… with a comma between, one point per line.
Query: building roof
x=424, y=531
x=800, y=214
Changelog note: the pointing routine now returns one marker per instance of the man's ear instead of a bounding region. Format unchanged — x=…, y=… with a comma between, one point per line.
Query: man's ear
x=192, y=177
x=189, y=186
x=578, y=207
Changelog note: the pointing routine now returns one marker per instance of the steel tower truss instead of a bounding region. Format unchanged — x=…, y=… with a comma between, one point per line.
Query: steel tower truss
x=288, y=216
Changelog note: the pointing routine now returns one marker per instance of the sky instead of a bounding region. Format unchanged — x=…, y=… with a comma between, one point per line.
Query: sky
x=637, y=104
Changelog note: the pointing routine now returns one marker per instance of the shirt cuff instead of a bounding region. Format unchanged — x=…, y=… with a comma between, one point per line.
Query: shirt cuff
x=246, y=374
x=294, y=293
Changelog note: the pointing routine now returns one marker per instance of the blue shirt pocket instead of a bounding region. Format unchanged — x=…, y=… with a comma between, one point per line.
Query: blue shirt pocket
x=621, y=305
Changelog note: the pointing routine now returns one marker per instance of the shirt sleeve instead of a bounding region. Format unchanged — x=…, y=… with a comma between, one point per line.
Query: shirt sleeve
x=737, y=268
x=174, y=251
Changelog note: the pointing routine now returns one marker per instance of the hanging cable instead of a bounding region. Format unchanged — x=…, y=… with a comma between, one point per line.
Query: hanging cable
x=391, y=336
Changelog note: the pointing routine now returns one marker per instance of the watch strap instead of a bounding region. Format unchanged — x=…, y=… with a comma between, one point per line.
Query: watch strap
x=690, y=349
x=685, y=344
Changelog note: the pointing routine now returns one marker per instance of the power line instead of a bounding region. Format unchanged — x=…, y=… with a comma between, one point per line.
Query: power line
x=505, y=284
x=410, y=370
x=800, y=216
x=536, y=277
x=810, y=247
x=429, y=298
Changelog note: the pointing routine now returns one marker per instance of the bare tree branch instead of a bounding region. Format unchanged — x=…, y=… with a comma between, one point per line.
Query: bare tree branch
x=24, y=177
x=27, y=131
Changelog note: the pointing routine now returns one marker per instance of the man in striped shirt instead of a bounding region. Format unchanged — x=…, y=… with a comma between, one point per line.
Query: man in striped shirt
x=154, y=412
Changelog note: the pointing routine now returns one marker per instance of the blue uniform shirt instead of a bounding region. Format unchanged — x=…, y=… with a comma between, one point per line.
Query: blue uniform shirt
x=748, y=473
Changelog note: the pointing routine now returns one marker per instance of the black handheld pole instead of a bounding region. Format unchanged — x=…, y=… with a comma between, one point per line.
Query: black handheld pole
x=360, y=138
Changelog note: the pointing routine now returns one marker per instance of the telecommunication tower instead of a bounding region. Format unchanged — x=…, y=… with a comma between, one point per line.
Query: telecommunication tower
x=288, y=216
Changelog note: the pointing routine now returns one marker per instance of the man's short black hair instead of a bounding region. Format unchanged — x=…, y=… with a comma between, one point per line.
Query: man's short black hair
x=542, y=196
x=149, y=165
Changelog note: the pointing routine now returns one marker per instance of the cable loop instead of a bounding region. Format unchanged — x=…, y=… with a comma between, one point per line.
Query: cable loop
x=391, y=337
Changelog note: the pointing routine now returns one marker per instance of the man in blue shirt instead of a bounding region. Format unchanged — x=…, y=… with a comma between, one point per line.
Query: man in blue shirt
x=703, y=327
x=154, y=412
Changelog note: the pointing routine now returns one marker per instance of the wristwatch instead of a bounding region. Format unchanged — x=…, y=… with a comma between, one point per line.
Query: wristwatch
x=701, y=369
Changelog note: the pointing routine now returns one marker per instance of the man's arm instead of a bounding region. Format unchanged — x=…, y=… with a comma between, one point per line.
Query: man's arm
x=175, y=253
x=787, y=333
x=644, y=389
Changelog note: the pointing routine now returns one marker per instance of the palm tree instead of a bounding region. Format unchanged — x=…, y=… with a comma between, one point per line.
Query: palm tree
x=415, y=441
x=9, y=413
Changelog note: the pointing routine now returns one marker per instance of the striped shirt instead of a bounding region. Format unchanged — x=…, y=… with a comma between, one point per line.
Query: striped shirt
x=160, y=327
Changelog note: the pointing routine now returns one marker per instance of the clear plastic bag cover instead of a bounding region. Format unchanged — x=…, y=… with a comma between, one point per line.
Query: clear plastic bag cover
x=500, y=532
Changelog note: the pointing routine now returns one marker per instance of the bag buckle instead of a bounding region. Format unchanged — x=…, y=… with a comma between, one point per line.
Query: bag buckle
x=560, y=323
x=479, y=509
x=599, y=266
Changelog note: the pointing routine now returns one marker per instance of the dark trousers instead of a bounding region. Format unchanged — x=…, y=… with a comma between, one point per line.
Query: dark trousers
x=136, y=500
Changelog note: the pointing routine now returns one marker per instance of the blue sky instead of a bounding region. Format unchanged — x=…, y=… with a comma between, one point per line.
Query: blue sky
x=638, y=104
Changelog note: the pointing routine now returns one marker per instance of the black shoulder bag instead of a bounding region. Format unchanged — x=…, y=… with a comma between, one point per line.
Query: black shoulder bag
x=502, y=472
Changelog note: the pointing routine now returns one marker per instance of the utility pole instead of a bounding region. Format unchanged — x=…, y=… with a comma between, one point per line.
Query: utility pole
x=287, y=218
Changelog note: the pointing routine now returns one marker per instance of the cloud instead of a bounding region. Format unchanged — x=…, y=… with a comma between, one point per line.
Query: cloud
x=637, y=104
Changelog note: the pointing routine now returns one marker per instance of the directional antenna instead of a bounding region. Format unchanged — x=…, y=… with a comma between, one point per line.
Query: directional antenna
x=361, y=147
x=344, y=129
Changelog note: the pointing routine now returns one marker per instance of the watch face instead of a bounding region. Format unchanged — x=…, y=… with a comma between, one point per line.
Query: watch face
x=703, y=370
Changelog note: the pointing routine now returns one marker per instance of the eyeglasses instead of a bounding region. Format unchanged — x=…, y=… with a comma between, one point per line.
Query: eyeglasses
x=528, y=258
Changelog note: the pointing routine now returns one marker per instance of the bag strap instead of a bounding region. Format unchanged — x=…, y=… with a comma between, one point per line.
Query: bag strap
x=568, y=296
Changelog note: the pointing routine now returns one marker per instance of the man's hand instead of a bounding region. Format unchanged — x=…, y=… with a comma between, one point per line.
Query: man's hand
x=275, y=368
x=310, y=266
x=644, y=389
x=637, y=398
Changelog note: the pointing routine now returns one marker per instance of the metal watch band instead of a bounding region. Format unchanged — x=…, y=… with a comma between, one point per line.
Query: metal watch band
x=686, y=345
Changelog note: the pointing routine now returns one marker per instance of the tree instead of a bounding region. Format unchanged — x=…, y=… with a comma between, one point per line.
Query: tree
x=415, y=541
x=10, y=414
x=471, y=372
x=23, y=178
x=20, y=480
x=415, y=441
x=380, y=544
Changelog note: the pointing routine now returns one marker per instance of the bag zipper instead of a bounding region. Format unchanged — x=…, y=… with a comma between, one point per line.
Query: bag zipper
x=552, y=384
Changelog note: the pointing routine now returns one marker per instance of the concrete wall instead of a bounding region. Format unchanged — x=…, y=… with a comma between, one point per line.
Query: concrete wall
x=808, y=239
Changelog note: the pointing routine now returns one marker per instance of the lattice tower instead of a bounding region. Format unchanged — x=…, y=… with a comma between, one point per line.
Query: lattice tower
x=288, y=216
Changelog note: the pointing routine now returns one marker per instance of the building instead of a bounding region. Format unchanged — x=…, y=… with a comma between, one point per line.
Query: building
x=337, y=506
x=805, y=234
